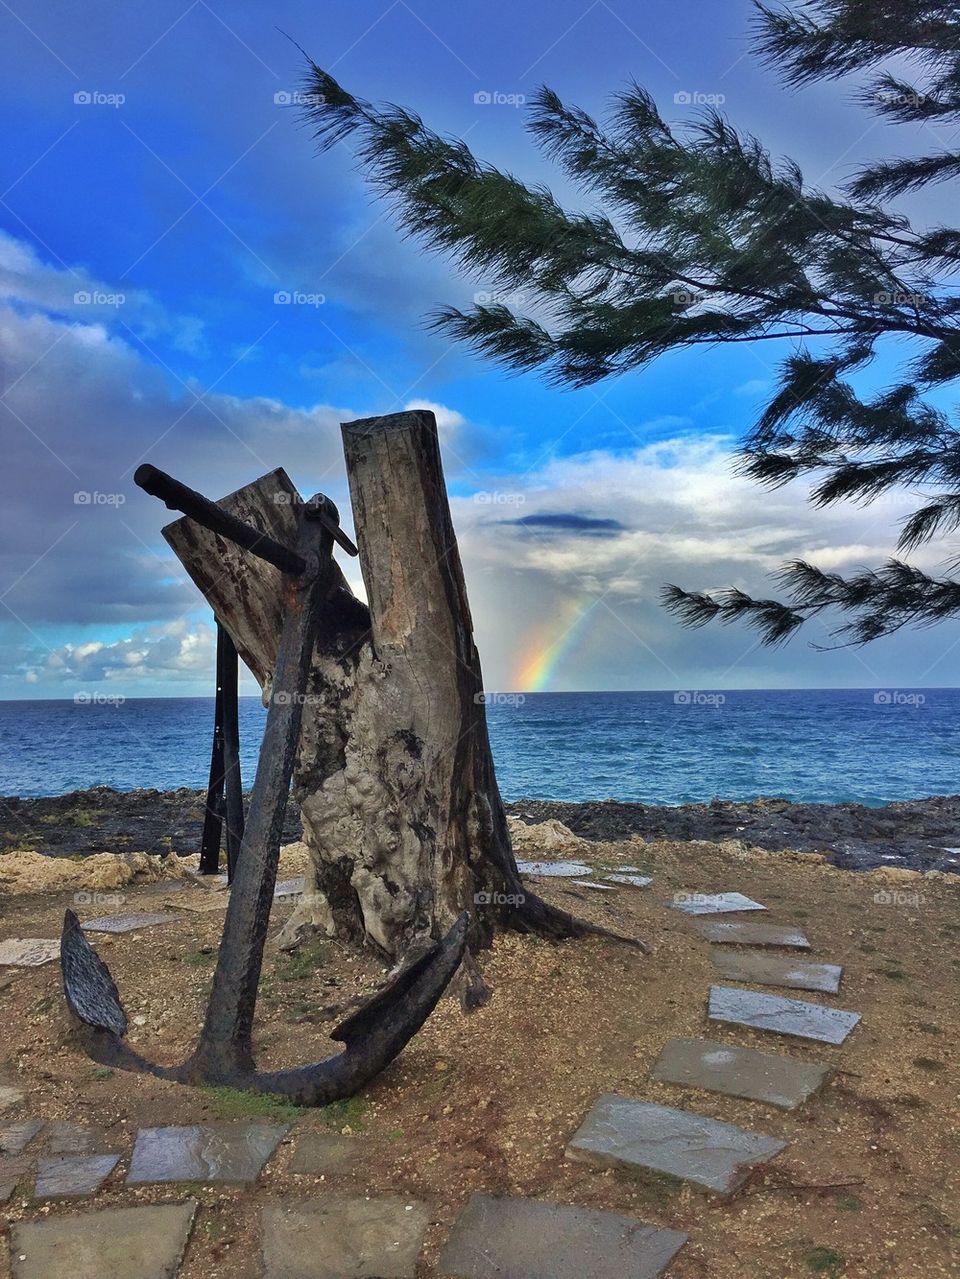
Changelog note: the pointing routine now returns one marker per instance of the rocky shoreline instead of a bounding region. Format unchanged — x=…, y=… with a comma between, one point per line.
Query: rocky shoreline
x=922, y=834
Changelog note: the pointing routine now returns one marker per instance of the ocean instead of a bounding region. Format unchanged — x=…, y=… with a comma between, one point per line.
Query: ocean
x=811, y=746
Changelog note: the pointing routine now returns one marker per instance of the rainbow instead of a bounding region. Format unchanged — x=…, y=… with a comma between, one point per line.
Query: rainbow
x=550, y=644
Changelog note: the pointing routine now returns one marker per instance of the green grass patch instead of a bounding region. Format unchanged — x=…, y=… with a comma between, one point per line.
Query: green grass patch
x=237, y=1103
x=348, y=1113
x=101, y=1072
x=850, y=1203
x=200, y=958
x=302, y=963
x=825, y=1261
x=893, y=973
x=658, y=1188
x=83, y=817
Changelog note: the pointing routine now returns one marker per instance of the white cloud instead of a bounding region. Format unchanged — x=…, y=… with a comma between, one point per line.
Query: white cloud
x=448, y=420
x=685, y=517
x=177, y=651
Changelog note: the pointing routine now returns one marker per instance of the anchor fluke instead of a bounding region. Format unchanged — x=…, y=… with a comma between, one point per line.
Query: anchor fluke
x=90, y=991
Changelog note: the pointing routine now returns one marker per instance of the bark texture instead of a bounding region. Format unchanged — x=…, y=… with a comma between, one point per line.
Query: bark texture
x=394, y=774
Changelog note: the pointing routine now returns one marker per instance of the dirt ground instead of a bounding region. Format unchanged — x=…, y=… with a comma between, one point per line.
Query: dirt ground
x=868, y=1188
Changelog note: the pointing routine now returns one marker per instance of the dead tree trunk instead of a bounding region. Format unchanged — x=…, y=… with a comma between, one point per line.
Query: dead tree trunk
x=394, y=774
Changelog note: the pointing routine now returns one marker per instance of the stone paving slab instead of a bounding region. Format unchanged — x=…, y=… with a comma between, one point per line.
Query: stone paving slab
x=29, y=952
x=118, y=1243
x=128, y=923
x=343, y=1238
x=780, y=1015
x=529, y=1239
x=232, y=1152
x=736, y=932
x=621, y=1132
x=713, y=903
x=9, y=1096
x=13, y=1169
x=65, y=1138
x=774, y=970
x=323, y=1152
x=740, y=1072
x=633, y=881
x=68, y=1175
x=290, y=887
x=16, y=1137
x=568, y=870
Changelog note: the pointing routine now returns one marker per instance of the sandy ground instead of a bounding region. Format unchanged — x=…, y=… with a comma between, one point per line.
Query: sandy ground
x=867, y=1188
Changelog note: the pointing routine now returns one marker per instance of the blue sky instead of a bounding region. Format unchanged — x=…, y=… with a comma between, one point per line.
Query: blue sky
x=157, y=193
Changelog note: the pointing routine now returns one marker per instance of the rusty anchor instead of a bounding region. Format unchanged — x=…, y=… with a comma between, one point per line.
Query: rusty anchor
x=379, y=1030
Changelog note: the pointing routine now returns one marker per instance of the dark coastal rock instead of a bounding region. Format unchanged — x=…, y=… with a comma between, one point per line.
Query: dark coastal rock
x=920, y=834
x=104, y=820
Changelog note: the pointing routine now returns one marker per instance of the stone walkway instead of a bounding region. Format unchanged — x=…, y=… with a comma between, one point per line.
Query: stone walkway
x=331, y=1236
x=721, y=1157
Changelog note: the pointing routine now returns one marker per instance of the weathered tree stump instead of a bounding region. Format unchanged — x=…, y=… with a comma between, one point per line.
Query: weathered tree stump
x=394, y=774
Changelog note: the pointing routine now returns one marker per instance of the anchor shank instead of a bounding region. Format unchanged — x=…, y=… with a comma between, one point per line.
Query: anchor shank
x=224, y=1047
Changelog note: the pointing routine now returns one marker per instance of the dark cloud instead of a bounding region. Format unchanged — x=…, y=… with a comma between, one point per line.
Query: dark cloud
x=569, y=522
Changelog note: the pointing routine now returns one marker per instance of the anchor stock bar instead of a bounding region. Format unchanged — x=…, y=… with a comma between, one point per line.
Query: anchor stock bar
x=178, y=497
